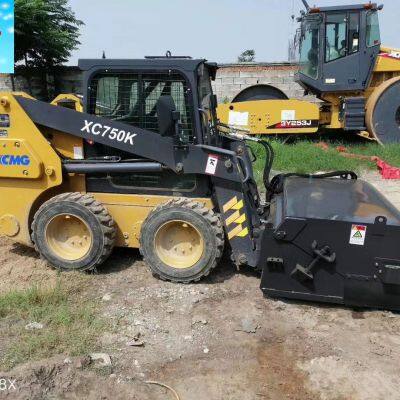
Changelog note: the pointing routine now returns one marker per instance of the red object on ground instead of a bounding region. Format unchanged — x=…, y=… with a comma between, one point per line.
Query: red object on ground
x=341, y=149
x=386, y=170
x=322, y=145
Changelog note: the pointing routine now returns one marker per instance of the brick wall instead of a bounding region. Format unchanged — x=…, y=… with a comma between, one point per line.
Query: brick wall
x=41, y=85
x=231, y=79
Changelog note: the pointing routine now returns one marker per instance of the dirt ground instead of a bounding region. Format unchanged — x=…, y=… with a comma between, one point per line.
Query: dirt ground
x=216, y=340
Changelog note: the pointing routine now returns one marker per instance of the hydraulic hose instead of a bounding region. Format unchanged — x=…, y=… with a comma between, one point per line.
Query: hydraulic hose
x=277, y=182
x=275, y=186
x=269, y=160
x=269, y=153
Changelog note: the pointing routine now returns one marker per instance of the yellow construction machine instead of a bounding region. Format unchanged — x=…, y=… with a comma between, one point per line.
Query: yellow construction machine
x=355, y=79
x=142, y=162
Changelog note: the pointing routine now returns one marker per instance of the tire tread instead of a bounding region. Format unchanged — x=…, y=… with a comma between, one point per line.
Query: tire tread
x=97, y=209
x=206, y=213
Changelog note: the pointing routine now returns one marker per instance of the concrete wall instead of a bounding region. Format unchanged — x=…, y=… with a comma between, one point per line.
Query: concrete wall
x=231, y=79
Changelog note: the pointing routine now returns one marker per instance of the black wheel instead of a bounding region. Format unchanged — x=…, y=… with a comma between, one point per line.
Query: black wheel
x=383, y=112
x=260, y=92
x=182, y=240
x=73, y=231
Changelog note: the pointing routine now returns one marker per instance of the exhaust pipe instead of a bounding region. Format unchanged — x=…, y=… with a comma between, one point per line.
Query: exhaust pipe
x=306, y=5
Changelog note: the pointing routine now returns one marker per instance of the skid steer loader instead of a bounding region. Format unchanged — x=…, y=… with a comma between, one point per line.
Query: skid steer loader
x=342, y=62
x=142, y=162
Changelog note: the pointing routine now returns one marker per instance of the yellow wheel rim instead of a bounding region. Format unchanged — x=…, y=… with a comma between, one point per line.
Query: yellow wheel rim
x=69, y=237
x=179, y=244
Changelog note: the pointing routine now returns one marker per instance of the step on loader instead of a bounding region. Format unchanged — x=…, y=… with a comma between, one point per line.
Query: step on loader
x=141, y=161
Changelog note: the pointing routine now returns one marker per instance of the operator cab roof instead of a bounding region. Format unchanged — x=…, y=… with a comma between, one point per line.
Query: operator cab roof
x=364, y=6
x=180, y=63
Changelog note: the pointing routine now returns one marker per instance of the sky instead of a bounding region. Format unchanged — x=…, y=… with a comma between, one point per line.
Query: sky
x=218, y=30
x=7, y=36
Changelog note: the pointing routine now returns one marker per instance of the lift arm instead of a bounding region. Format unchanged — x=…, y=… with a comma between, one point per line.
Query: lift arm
x=190, y=159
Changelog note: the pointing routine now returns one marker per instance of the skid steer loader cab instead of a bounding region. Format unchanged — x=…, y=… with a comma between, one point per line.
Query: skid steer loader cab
x=338, y=47
x=129, y=90
x=166, y=95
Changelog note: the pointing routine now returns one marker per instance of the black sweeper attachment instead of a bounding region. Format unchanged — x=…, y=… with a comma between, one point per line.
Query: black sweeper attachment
x=332, y=240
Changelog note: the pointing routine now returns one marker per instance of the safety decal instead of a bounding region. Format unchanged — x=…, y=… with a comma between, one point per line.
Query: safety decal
x=288, y=115
x=78, y=153
x=393, y=54
x=357, y=234
x=212, y=163
x=235, y=220
x=238, y=118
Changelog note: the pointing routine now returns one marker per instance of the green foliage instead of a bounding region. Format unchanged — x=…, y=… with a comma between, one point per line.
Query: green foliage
x=46, y=31
x=70, y=324
x=247, y=56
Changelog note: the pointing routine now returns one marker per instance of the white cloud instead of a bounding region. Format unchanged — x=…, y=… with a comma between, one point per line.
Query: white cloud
x=10, y=29
x=8, y=16
x=4, y=6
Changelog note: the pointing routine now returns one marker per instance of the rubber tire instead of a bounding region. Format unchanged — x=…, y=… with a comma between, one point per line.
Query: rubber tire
x=259, y=92
x=383, y=112
x=207, y=223
x=89, y=210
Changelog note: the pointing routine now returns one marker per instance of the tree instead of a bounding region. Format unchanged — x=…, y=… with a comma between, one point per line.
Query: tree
x=247, y=56
x=46, y=32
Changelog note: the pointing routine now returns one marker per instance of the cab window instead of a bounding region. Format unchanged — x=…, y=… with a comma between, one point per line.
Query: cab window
x=309, y=50
x=373, y=33
x=132, y=99
x=336, y=36
x=354, y=32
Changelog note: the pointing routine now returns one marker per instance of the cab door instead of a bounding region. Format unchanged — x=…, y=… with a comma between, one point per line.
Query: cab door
x=341, y=67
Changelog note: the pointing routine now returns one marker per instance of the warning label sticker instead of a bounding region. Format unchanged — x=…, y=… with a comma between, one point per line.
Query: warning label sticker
x=357, y=235
x=211, y=166
x=238, y=118
x=288, y=115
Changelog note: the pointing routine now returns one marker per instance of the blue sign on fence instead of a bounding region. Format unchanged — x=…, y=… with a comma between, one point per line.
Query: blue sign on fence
x=7, y=36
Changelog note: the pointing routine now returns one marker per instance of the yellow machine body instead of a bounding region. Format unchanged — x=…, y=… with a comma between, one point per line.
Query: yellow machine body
x=31, y=173
x=304, y=117
x=271, y=116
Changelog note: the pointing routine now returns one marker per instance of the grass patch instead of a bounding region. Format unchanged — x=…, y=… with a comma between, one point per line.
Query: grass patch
x=303, y=156
x=71, y=325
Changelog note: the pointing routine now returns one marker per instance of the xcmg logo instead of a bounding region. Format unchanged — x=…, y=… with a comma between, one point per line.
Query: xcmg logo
x=9, y=159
